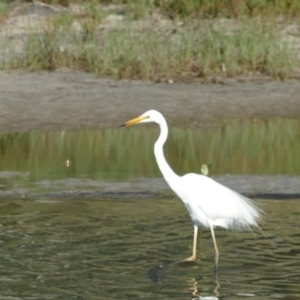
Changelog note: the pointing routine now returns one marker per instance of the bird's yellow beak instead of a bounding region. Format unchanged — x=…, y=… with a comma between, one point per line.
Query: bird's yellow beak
x=134, y=121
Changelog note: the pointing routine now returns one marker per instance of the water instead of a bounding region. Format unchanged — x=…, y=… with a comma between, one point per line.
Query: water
x=102, y=249
x=241, y=147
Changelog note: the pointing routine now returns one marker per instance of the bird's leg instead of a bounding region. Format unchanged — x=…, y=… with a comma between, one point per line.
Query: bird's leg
x=193, y=257
x=216, y=247
x=157, y=273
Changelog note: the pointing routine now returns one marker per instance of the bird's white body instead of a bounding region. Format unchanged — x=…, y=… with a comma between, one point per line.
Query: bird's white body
x=209, y=203
x=215, y=204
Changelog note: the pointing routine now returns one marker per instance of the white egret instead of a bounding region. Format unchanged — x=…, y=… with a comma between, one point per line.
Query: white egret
x=209, y=203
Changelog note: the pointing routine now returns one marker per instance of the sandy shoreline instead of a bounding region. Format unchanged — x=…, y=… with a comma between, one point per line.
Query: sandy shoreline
x=77, y=100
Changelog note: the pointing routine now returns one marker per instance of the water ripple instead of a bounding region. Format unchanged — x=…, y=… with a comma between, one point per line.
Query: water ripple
x=102, y=249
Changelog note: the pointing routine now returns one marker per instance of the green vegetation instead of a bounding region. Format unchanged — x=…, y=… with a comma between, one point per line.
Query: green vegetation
x=199, y=8
x=229, y=8
x=162, y=40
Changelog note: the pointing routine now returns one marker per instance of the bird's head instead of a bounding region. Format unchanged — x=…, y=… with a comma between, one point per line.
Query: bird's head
x=147, y=117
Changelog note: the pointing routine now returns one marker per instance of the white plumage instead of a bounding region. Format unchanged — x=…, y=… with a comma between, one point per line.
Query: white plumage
x=216, y=204
x=208, y=202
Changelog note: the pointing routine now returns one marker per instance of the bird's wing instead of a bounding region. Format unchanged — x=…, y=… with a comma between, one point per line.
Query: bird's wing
x=218, y=202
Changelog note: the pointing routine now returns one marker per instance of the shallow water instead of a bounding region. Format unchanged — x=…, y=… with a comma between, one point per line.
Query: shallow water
x=103, y=249
x=117, y=155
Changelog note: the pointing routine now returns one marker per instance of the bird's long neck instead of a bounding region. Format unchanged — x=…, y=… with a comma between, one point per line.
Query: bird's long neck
x=165, y=169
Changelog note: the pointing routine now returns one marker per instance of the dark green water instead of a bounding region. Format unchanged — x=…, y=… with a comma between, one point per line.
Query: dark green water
x=240, y=147
x=102, y=248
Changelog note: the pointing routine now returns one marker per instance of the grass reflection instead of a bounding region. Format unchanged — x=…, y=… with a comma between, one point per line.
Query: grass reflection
x=237, y=147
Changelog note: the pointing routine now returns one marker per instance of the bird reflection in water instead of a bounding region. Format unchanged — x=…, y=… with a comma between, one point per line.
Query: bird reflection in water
x=158, y=273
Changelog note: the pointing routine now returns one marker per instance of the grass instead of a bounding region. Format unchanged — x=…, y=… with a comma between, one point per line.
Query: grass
x=200, y=8
x=207, y=49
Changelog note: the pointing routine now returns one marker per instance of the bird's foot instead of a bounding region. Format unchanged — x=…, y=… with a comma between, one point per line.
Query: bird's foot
x=191, y=258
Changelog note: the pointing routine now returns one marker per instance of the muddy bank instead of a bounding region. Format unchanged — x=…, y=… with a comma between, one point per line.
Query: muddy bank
x=253, y=186
x=77, y=100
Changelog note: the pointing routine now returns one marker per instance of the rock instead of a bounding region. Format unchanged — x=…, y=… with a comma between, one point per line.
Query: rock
x=36, y=8
x=111, y=21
